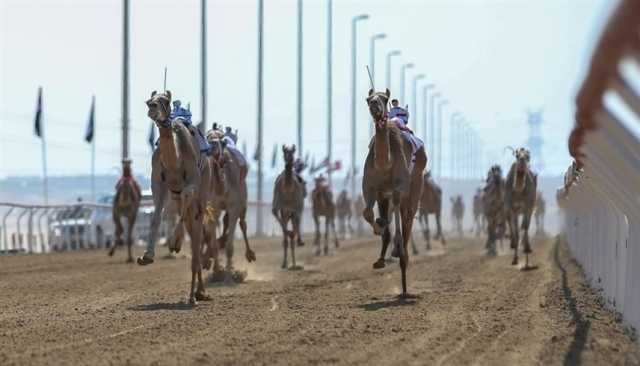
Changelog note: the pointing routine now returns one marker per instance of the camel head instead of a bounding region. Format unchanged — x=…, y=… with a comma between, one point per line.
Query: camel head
x=289, y=154
x=377, y=102
x=494, y=175
x=217, y=149
x=523, y=157
x=160, y=108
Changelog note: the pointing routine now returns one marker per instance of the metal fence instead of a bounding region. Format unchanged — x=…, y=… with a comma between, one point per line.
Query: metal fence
x=600, y=196
x=42, y=229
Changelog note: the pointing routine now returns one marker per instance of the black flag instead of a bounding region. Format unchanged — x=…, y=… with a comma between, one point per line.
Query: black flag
x=274, y=157
x=38, y=119
x=152, y=136
x=88, y=135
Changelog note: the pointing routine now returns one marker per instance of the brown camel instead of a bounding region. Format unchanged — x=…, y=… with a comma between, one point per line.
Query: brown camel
x=493, y=207
x=288, y=204
x=520, y=199
x=457, y=214
x=389, y=181
x=431, y=204
x=125, y=204
x=539, y=213
x=478, y=213
x=178, y=168
x=343, y=209
x=229, y=194
x=323, y=206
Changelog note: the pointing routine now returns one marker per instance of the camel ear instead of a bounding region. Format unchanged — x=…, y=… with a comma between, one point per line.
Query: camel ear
x=168, y=93
x=293, y=148
x=370, y=92
x=388, y=93
x=284, y=148
x=153, y=93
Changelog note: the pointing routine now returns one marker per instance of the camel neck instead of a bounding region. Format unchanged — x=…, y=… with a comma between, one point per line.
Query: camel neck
x=382, y=151
x=288, y=173
x=218, y=183
x=168, y=149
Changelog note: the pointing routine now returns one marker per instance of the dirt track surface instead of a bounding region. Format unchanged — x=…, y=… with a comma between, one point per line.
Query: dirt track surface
x=87, y=308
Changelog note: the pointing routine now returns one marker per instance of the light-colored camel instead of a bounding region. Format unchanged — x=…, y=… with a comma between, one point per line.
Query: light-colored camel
x=288, y=204
x=343, y=208
x=541, y=207
x=389, y=181
x=457, y=214
x=229, y=194
x=322, y=206
x=180, y=170
x=520, y=200
x=125, y=204
x=493, y=207
x=431, y=204
x=479, y=219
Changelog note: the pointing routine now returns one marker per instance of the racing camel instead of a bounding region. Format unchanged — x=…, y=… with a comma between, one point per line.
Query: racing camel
x=179, y=169
x=229, y=194
x=125, y=204
x=493, y=207
x=457, y=213
x=520, y=200
x=539, y=212
x=478, y=213
x=431, y=204
x=323, y=206
x=343, y=209
x=390, y=180
x=288, y=203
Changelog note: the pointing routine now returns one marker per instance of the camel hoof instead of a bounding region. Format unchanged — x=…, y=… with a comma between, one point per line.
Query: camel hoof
x=144, y=260
x=514, y=262
x=201, y=296
x=326, y=250
x=381, y=222
x=407, y=296
x=318, y=251
x=192, y=300
x=250, y=256
x=284, y=265
x=300, y=243
x=130, y=260
x=379, y=264
x=206, y=264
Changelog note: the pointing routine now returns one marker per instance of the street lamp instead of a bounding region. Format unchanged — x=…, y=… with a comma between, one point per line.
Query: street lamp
x=260, y=75
x=441, y=105
x=354, y=38
x=330, y=86
x=432, y=129
x=372, y=65
x=453, y=144
x=403, y=74
x=299, y=81
x=389, y=55
x=425, y=104
x=414, y=107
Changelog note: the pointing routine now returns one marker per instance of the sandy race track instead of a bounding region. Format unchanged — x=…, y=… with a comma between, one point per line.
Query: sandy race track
x=87, y=308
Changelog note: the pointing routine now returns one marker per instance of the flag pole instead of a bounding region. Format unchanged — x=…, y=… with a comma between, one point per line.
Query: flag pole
x=93, y=152
x=44, y=165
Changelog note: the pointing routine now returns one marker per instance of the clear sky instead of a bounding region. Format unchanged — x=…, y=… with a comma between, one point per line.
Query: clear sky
x=491, y=59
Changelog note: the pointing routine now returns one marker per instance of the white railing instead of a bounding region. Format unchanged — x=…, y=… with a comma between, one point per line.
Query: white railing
x=601, y=194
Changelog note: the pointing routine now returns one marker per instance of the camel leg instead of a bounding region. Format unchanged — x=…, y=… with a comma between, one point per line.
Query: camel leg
x=132, y=224
x=326, y=235
x=336, y=242
x=316, y=239
x=383, y=207
x=296, y=228
x=195, y=232
x=407, y=224
x=228, y=247
x=225, y=230
x=248, y=253
x=414, y=248
x=513, y=230
x=285, y=239
x=427, y=232
x=369, y=200
x=118, y=233
x=526, y=220
x=159, y=192
x=397, y=236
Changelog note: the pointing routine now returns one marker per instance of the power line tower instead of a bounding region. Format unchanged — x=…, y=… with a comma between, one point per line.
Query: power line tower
x=535, y=140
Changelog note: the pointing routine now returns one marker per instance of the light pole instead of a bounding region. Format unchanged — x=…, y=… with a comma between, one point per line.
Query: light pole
x=329, y=85
x=372, y=65
x=441, y=105
x=425, y=108
x=432, y=129
x=259, y=223
x=299, y=81
x=390, y=54
x=403, y=75
x=452, y=144
x=125, y=83
x=414, y=107
x=203, y=65
x=354, y=35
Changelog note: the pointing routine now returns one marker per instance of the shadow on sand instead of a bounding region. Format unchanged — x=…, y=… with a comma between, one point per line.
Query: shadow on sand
x=163, y=306
x=389, y=303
